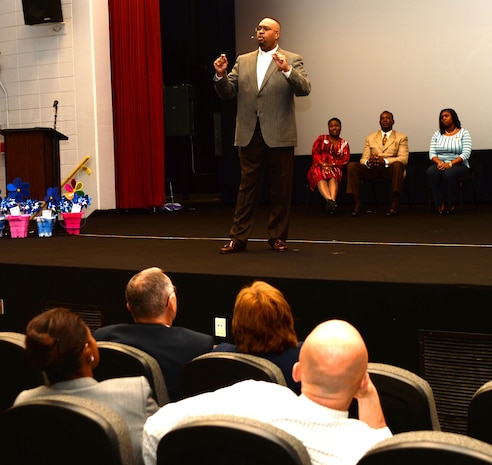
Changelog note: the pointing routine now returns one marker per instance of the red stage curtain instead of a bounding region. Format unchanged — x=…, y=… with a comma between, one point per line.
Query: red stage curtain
x=138, y=102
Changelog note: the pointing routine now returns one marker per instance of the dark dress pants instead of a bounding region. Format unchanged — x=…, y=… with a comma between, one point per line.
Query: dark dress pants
x=357, y=172
x=258, y=160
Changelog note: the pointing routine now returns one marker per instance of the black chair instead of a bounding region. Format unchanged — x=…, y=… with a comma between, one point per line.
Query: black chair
x=215, y=370
x=17, y=373
x=226, y=440
x=470, y=179
x=407, y=399
x=380, y=193
x=480, y=413
x=61, y=430
x=119, y=360
x=428, y=448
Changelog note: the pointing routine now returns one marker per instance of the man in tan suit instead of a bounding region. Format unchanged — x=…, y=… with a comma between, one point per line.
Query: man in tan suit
x=385, y=156
x=265, y=82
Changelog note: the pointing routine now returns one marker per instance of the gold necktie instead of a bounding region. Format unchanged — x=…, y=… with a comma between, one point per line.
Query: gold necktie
x=384, y=139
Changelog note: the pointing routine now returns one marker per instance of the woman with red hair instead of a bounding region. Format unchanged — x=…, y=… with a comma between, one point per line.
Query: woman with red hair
x=263, y=325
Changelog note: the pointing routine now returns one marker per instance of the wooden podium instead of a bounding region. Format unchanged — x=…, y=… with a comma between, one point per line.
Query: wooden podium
x=33, y=155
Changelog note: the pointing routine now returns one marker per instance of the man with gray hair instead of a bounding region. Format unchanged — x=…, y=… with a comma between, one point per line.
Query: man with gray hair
x=153, y=303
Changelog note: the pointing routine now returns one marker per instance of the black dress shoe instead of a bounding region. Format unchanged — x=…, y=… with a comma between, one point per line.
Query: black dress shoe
x=232, y=247
x=392, y=212
x=278, y=245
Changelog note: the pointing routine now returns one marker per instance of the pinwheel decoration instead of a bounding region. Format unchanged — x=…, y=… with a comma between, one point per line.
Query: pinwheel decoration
x=75, y=187
x=52, y=199
x=3, y=206
x=18, y=190
x=74, y=195
x=17, y=196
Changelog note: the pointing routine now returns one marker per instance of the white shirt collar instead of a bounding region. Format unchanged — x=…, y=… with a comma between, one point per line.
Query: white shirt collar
x=270, y=52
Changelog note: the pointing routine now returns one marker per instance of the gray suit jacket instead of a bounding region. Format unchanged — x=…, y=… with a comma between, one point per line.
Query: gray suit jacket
x=395, y=149
x=273, y=104
x=130, y=397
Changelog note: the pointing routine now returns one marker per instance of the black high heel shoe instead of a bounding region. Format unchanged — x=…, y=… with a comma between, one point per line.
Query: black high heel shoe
x=330, y=206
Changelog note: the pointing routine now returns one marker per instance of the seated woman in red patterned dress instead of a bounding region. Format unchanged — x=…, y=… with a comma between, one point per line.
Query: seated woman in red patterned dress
x=330, y=153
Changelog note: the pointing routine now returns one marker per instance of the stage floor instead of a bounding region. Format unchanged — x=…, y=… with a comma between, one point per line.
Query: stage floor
x=415, y=247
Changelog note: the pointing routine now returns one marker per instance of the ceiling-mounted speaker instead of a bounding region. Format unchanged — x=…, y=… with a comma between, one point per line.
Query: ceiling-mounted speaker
x=42, y=11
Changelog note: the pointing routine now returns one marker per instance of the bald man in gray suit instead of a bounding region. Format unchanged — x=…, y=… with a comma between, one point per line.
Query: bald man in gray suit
x=265, y=82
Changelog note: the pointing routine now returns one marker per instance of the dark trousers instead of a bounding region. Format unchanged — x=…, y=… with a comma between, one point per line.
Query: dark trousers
x=357, y=172
x=258, y=160
x=444, y=184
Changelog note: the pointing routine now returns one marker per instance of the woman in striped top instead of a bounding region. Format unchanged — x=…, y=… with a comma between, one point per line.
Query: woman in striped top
x=450, y=151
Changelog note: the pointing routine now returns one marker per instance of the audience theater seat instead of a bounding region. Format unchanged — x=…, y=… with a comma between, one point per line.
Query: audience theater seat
x=227, y=440
x=17, y=372
x=64, y=430
x=429, y=448
x=215, y=370
x=480, y=413
x=406, y=398
x=119, y=360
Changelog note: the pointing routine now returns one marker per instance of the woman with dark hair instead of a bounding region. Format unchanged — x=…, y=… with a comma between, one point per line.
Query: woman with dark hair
x=263, y=325
x=62, y=347
x=450, y=151
x=330, y=153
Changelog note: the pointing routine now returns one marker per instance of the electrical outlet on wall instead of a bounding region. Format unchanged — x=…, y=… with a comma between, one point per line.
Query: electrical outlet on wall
x=220, y=327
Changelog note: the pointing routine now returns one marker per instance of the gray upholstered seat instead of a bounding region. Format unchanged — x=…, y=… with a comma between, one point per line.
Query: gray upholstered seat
x=61, y=430
x=13, y=336
x=429, y=448
x=407, y=399
x=215, y=370
x=228, y=439
x=119, y=360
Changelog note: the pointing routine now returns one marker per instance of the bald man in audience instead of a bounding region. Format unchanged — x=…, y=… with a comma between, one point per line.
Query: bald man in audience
x=332, y=370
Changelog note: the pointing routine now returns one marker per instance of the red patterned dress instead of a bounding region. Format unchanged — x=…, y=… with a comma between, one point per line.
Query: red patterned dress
x=324, y=151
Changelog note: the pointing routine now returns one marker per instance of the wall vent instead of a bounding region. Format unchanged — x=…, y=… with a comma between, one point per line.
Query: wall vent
x=455, y=365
